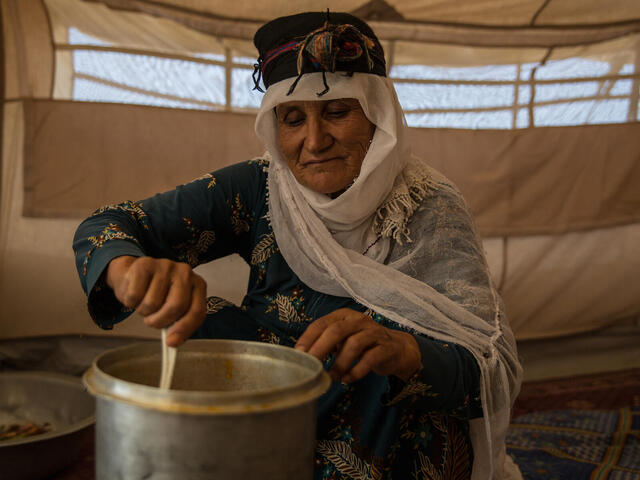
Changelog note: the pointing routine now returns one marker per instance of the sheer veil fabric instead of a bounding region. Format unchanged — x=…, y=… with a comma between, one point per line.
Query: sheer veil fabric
x=323, y=239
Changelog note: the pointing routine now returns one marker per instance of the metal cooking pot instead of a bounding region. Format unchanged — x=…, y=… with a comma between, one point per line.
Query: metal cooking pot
x=237, y=410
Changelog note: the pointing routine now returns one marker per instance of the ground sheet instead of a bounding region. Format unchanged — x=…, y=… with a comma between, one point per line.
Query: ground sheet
x=585, y=427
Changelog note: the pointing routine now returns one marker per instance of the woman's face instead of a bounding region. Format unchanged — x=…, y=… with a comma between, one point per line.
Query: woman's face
x=324, y=142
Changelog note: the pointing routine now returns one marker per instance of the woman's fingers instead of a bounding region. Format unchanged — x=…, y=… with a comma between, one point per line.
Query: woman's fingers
x=356, y=350
x=158, y=285
x=164, y=292
x=313, y=331
x=390, y=352
x=361, y=346
x=118, y=278
x=168, y=296
x=194, y=316
x=131, y=279
x=375, y=360
x=325, y=334
x=183, y=307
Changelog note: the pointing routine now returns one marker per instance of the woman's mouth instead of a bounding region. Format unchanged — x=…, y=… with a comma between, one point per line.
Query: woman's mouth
x=313, y=161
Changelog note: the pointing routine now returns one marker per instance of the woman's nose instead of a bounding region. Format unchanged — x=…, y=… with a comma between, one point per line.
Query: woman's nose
x=318, y=136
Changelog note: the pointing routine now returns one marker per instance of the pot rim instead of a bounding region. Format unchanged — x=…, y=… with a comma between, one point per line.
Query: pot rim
x=105, y=386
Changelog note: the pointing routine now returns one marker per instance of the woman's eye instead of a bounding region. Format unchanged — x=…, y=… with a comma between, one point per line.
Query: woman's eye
x=293, y=120
x=337, y=113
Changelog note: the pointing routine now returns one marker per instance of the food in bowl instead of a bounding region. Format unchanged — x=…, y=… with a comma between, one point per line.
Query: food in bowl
x=23, y=430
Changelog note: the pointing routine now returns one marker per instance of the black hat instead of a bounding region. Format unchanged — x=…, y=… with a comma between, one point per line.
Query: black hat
x=316, y=42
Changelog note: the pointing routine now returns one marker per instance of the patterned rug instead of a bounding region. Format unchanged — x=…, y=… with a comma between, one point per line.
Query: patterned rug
x=579, y=428
x=604, y=391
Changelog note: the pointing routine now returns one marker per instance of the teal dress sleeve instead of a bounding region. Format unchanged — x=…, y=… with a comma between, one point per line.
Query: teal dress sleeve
x=195, y=223
x=447, y=382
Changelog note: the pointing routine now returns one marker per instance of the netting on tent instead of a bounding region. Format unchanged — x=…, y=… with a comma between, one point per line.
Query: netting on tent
x=439, y=85
x=530, y=107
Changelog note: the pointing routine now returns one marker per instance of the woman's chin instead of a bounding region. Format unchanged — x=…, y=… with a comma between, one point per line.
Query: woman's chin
x=327, y=182
x=330, y=189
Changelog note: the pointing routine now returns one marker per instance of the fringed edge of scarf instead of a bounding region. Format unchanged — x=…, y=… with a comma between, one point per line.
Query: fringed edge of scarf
x=393, y=216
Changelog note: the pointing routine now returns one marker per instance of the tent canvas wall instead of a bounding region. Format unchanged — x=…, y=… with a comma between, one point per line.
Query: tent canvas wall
x=530, y=107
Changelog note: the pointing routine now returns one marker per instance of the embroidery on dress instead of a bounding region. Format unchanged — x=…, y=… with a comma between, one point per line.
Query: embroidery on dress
x=461, y=411
x=240, y=219
x=453, y=462
x=290, y=308
x=261, y=253
x=287, y=312
x=413, y=387
x=267, y=336
x=456, y=461
x=346, y=425
x=372, y=315
x=262, y=161
x=424, y=468
x=339, y=453
x=134, y=209
x=206, y=176
x=191, y=250
x=111, y=232
x=264, y=249
x=215, y=304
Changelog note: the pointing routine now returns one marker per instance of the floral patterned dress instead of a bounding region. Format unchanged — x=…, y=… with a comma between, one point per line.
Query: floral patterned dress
x=377, y=428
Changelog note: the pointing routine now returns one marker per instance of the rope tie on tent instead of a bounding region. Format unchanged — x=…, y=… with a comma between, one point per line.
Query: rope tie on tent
x=323, y=47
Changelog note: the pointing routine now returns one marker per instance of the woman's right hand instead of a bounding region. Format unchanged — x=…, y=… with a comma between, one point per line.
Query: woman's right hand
x=164, y=292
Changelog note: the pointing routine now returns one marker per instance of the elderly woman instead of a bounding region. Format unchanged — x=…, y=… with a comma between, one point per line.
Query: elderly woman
x=360, y=255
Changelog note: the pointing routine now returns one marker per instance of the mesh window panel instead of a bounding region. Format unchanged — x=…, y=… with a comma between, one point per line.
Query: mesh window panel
x=583, y=88
x=180, y=79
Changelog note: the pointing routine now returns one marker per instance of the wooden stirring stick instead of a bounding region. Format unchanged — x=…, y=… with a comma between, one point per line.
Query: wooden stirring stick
x=168, y=362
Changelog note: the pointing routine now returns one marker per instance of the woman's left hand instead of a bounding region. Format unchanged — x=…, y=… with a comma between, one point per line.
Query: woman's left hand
x=361, y=346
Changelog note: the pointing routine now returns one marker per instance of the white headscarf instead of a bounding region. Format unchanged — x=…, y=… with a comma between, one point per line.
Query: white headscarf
x=322, y=240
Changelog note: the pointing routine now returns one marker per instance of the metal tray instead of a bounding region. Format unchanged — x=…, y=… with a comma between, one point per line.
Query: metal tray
x=57, y=399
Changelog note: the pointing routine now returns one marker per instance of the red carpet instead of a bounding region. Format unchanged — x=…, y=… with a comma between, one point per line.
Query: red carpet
x=603, y=391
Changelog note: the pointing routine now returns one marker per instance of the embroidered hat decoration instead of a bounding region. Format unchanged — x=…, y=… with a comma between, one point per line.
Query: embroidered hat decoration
x=315, y=42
